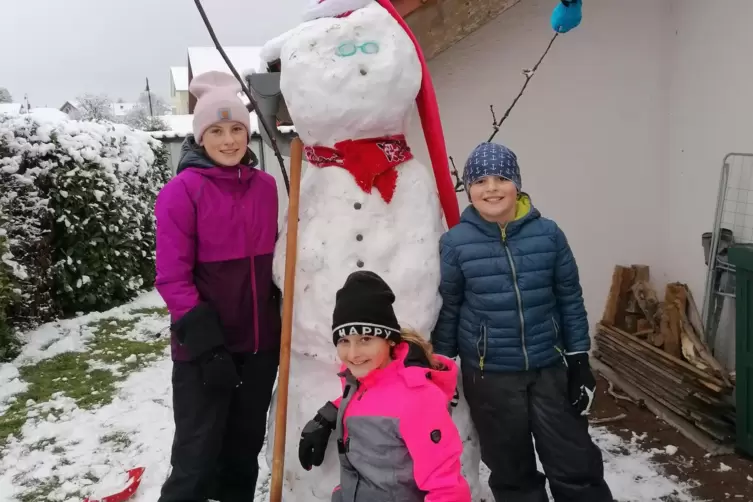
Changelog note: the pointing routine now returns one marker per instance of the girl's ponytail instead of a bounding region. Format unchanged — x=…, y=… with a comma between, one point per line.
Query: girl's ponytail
x=411, y=336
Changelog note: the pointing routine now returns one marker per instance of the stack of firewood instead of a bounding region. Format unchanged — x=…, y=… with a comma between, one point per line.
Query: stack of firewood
x=657, y=346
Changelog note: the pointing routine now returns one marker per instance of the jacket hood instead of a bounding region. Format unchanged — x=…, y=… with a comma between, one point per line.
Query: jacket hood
x=410, y=365
x=193, y=155
x=524, y=212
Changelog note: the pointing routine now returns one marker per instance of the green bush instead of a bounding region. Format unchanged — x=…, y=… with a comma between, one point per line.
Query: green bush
x=76, y=200
x=9, y=343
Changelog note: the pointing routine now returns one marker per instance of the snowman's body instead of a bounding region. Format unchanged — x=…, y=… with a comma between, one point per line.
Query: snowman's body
x=342, y=228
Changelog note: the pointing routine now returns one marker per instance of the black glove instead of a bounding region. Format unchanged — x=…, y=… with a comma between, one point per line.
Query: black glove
x=455, y=399
x=315, y=436
x=218, y=369
x=581, y=384
x=200, y=332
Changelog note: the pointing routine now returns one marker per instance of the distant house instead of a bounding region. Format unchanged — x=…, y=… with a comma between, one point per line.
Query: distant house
x=70, y=108
x=119, y=109
x=179, y=89
x=204, y=59
x=11, y=108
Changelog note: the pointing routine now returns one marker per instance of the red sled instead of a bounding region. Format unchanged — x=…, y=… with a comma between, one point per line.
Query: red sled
x=134, y=480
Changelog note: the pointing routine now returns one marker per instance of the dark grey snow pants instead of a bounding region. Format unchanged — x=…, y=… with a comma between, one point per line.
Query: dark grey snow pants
x=219, y=433
x=507, y=409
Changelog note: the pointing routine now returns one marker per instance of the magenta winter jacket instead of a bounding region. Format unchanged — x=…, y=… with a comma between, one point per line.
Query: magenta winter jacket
x=216, y=231
x=396, y=439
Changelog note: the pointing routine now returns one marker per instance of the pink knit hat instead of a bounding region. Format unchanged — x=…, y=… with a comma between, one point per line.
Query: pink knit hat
x=217, y=101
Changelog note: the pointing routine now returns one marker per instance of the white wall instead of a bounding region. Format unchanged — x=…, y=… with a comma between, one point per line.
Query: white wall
x=711, y=114
x=590, y=131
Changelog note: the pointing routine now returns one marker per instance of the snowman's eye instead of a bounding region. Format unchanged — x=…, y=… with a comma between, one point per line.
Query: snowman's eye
x=346, y=49
x=370, y=48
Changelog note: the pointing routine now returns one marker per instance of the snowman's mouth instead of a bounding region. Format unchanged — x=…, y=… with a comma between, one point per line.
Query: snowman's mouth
x=362, y=70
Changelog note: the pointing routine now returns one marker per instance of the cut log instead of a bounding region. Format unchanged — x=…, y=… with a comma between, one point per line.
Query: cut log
x=675, y=301
x=645, y=327
x=640, y=273
x=694, y=316
x=646, y=298
x=700, y=350
x=657, y=339
x=614, y=310
x=631, y=323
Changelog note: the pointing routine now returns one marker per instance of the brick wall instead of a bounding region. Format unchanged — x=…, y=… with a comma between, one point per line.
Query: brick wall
x=441, y=23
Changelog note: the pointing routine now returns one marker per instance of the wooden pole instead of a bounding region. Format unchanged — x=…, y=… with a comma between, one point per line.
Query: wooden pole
x=291, y=249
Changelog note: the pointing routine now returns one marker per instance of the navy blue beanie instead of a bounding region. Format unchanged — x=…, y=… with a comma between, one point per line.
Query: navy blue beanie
x=491, y=159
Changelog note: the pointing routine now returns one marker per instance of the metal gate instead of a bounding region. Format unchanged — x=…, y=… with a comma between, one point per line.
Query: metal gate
x=733, y=224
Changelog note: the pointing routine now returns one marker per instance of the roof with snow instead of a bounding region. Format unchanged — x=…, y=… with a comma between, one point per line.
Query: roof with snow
x=120, y=109
x=182, y=125
x=179, y=77
x=204, y=59
x=10, y=108
x=48, y=114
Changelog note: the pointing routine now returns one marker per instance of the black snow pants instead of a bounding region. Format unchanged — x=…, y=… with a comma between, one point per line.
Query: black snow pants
x=219, y=433
x=507, y=409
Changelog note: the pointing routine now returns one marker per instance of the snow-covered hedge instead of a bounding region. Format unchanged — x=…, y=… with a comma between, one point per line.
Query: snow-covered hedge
x=77, y=199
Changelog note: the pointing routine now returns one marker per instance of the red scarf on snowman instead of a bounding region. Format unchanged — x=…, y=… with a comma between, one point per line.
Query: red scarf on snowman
x=371, y=161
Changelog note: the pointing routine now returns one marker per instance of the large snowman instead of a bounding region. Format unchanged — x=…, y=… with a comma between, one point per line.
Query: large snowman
x=351, y=75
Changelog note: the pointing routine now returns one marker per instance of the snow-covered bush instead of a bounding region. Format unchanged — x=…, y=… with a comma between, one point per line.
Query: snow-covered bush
x=78, y=200
x=9, y=343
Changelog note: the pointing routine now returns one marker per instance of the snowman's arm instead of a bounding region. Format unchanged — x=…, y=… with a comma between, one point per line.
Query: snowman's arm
x=444, y=339
x=175, y=249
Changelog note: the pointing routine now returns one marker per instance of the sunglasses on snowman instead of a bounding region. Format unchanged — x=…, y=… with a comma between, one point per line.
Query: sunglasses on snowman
x=347, y=49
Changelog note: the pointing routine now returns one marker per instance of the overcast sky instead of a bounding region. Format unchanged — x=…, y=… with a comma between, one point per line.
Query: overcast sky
x=54, y=50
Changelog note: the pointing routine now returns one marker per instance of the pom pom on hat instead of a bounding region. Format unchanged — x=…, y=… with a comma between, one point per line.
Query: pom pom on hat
x=217, y=101
x=426, y=101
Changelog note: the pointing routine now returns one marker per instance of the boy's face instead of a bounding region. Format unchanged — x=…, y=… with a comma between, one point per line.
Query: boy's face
x=494, y=198
x=362, y=354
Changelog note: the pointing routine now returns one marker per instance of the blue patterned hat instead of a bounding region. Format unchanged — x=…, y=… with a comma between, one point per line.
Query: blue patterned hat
x=491, y=159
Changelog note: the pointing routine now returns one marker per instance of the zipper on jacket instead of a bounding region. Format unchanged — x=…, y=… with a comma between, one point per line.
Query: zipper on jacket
x=517, y=294
x=557, y=341
x=482, y=342
x=239, y=175
x=256, y=304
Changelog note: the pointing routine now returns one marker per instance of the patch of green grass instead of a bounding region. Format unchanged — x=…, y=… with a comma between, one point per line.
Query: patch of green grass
x=119, y=440
x=41, y=490
x=70, y=373
x=162, y=311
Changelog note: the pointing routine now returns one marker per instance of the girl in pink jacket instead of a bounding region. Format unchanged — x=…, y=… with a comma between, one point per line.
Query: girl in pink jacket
x=394, y=434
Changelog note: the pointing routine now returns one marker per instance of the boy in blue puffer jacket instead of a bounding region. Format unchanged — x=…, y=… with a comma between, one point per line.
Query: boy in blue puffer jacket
x=513, y=311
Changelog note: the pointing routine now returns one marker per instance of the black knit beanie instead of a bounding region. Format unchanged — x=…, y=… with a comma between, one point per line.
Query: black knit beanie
x=363, y=306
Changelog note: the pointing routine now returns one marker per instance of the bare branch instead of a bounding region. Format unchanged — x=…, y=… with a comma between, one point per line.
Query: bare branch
x=529, y=75
x=459, y=187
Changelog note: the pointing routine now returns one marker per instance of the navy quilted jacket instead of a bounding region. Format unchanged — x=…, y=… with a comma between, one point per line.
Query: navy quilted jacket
x=512, y=298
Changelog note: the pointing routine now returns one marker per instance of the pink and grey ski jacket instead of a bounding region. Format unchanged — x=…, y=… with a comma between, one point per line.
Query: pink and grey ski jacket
x=395, y=437
x=216, y=231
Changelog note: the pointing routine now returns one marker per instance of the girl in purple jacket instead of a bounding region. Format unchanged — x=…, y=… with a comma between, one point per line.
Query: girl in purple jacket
x=216, y=230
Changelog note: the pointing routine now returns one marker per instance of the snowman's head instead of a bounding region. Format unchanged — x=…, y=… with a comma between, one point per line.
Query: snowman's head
x=349, y=77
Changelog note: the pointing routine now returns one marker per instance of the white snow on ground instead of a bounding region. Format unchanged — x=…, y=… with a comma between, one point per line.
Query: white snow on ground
x=62, y=440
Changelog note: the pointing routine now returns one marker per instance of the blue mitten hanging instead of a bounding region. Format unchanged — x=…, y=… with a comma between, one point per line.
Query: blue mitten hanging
x=567, y=15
